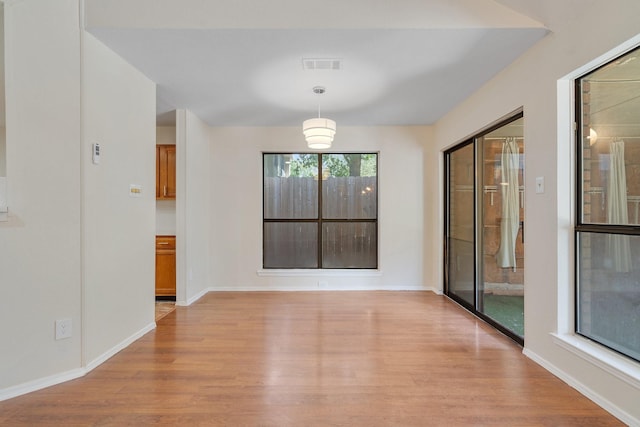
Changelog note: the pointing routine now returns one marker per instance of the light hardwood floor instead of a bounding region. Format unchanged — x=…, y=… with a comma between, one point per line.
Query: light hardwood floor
x=163, y=308
x=314, y=359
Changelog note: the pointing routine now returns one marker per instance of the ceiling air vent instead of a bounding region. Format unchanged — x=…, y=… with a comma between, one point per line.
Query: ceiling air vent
x=321, y=64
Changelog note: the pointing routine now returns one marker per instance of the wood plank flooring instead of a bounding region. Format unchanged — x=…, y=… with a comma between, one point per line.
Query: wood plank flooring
x=314, y=359
x=163, y=308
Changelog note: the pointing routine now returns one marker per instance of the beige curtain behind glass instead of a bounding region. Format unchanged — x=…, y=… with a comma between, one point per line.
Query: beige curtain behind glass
x=618, y=250
x=510, y=190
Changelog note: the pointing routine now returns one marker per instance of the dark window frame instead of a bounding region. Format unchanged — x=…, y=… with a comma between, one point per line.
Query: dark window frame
x=319, y=220
x=581, y=226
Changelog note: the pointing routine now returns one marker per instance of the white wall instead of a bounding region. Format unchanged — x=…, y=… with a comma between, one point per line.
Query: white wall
x=165, y=217
x=118, y=230
x=582, y=31
x=193, y=253
x=75, y=246
x=236, y=206
x=166, y=209
x=2, y=73
x=40, y=246
x=3, y=151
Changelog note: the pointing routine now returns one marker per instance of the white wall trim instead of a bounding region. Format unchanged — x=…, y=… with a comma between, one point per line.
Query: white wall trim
x=181, y=206
x=607, y=405
x=118, y=347
x=605, y=359
x=318, y=272
x=566, y=186
x=194, y=298
x=39, y=384
x=313, y=288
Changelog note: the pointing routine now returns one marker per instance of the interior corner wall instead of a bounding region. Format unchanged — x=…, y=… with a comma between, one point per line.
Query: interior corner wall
x=236, y=207
x=433, y=217
x=40, y=245
x=578, y=37
x=118, y=226
x=192, y=207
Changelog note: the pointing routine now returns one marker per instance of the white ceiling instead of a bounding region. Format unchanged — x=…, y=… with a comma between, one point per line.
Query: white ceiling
x=239, y=62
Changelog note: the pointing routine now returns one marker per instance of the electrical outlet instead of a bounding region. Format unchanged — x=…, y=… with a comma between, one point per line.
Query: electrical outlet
x=63, y=329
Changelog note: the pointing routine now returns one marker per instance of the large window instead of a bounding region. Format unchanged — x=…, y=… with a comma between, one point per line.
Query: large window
x=320, y=210
x=608, y=223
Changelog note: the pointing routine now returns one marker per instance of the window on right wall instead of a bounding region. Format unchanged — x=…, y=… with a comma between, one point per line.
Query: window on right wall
x=607, y=229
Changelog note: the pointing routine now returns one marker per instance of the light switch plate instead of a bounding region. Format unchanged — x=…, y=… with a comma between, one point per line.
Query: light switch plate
x=95, y=153
x=540, y=184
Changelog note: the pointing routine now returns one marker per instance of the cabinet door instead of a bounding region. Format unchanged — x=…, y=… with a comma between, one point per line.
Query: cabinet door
x=159, y=162
x=165, y=172
x=171, y=172
x=165, y=266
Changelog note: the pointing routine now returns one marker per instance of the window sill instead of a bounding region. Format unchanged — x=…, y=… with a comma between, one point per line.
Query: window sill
x=319, y=273
x=613, y=363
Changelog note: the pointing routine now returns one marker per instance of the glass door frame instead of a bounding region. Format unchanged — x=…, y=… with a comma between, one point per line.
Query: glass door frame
x=447, y=216
x=478, y=169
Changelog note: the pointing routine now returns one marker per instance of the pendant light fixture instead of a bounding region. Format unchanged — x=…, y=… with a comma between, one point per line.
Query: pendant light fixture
x=319, y=131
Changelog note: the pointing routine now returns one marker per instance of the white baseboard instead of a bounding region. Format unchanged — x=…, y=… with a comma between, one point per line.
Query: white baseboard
x=40, y=383
x=262, y=288
x=49, y=381
x=118, y=347
x=194, y=298
x=280, y=288
x=607, y=405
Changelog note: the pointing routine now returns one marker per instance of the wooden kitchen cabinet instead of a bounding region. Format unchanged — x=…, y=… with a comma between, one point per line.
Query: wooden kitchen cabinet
x=165, y=266
x=165, y=172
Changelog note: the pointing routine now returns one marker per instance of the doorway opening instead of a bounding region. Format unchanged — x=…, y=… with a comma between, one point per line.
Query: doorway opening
x=166, y=223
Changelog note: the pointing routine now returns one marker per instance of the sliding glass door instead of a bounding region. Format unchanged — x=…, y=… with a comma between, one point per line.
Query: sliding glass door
x=484, y=232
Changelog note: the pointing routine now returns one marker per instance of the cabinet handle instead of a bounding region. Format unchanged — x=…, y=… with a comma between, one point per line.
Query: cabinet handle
x=165, y=190
x=163, y=243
